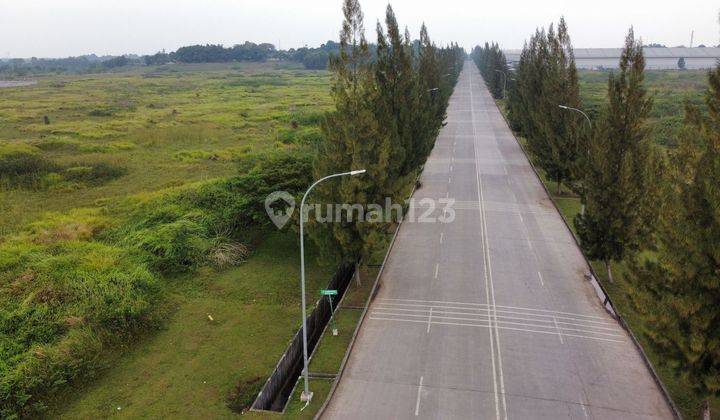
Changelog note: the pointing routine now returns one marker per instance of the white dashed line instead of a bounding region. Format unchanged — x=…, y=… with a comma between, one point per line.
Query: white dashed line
x=417, y=402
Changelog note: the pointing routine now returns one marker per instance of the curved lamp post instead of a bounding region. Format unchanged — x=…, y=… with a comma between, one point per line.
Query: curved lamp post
x=577, y=110
x=306, y=395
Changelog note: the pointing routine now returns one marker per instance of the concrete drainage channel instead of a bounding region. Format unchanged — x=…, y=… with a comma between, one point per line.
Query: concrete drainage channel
x=275, y=393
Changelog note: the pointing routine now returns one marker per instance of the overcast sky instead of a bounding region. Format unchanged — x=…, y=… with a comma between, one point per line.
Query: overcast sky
x=59, y=28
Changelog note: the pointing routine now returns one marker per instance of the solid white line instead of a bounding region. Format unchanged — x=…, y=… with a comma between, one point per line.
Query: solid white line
x=417, y=402
x=486, y=249
x=429, y=321
x=487, y=287
x=437, y=268
x=499, y=306
x=541, y=279
x=483, y=325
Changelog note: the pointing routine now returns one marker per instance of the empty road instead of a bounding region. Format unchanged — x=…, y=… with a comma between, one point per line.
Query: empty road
x=489, y=316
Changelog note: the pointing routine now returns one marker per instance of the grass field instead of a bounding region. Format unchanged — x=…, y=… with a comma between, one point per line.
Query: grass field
x=143, y=199
x=194, y=365
x=670, y=91
x=162, y=127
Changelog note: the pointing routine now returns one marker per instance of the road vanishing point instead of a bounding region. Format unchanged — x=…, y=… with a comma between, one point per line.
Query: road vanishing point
x=490, y=316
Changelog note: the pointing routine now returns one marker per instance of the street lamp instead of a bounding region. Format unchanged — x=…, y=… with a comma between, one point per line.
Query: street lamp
x=569, y=108
x=306, y=395
x=504, y=81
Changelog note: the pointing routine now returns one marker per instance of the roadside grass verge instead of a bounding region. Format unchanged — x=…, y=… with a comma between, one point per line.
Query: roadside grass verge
x=195, y=364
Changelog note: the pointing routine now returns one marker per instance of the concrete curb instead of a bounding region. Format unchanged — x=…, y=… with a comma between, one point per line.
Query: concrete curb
x=606, y=298
x=370, y=298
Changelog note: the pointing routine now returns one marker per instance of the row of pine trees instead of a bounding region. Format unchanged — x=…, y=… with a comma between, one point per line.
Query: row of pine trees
x=389, y=107
x=493, y=67
x=658, y=211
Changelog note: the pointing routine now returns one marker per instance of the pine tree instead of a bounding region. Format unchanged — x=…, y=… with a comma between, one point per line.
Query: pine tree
x=431, y=109
x=558, y=128
x=620, y=162
x=397, y=103
x=353, y=139
x=678, y=294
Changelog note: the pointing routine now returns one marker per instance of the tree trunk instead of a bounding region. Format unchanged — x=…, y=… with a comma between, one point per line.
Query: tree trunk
x=706, y=409
x=559, y=187
x=609, y=272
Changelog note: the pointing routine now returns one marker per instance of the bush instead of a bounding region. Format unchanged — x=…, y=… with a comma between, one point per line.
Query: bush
x=65, y=299
x=94, y=174
x=22, y=165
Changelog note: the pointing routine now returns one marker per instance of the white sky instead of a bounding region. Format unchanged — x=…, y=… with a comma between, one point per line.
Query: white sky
x=59, y=28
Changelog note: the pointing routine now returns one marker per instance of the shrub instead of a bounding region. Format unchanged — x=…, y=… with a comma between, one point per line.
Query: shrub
x=94, y=174
x=22, y=164
x=65, y=299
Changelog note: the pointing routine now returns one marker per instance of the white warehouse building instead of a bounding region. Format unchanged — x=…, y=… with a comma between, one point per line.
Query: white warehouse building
x=655, y=58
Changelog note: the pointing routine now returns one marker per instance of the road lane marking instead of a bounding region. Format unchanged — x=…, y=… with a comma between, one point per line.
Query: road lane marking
x=501, y=306
x=558, y=331
x=437, y=267
x=487, y=287
x=582, y=404
x=478, y=318
x=417, y=401
x=541, y=279
x=442, y=235
x=512, y=315
x=484, y=325
x=429, y=320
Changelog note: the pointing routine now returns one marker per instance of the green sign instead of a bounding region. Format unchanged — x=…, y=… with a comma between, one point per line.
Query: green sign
x=328, y=292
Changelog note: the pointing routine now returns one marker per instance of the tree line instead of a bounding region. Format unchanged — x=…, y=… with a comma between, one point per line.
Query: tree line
x=388, y=111
x=493, y=67
x=658, y=211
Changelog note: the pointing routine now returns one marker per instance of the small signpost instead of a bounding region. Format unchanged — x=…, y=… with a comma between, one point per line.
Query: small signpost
x=330, y=294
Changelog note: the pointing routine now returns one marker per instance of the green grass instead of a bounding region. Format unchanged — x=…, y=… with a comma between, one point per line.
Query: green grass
x=670, y=90
x=191, y=367
x=165, y=126
x=331, y=349
x=95, y=258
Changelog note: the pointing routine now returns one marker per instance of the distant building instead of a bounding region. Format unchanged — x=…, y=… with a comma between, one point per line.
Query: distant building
x=655, y=58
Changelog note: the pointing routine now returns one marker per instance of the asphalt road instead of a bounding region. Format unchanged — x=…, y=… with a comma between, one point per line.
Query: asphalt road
x=489, y=316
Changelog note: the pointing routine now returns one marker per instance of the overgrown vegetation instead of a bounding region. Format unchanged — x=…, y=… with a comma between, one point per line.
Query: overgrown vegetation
x=94, y=274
